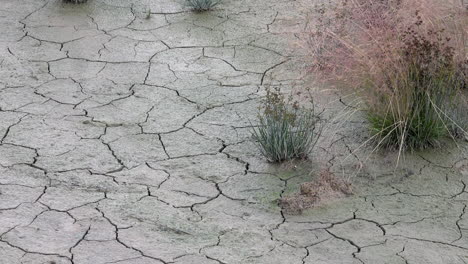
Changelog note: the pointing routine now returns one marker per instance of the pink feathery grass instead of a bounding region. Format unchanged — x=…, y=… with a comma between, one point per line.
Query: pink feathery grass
x=400, y=56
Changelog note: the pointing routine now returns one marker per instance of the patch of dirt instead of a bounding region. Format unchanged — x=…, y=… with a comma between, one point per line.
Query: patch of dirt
x=462, y=166
x=326, y=188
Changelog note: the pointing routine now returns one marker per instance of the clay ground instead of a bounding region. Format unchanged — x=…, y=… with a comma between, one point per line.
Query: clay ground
x=125, y=139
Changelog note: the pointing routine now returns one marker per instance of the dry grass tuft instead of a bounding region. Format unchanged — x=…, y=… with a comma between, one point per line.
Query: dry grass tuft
x=326, y=188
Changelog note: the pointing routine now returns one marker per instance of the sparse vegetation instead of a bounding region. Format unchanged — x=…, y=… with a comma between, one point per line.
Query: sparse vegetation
x=148, y=13
x=75, y=1
x=459, y=114
x=406, y=58
x=286, y=129
x=201, y=5
x=326, y=188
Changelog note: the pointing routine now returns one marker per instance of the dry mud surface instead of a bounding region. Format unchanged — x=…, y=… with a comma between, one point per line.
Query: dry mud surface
x=126, y=140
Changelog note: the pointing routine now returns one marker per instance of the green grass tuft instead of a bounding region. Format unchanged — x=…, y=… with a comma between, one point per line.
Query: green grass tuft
x=201, y=5
x=286, y=130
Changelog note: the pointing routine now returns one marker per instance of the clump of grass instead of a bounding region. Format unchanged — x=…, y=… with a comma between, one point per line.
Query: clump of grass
x=201, y=5
x=286, y=129
x=406, y=58
x=421, y=94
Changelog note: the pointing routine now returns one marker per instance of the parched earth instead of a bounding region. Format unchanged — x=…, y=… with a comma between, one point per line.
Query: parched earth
x=125, y=139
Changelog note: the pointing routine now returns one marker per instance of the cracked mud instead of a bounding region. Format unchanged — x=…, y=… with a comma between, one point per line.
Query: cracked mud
x=126, y=140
